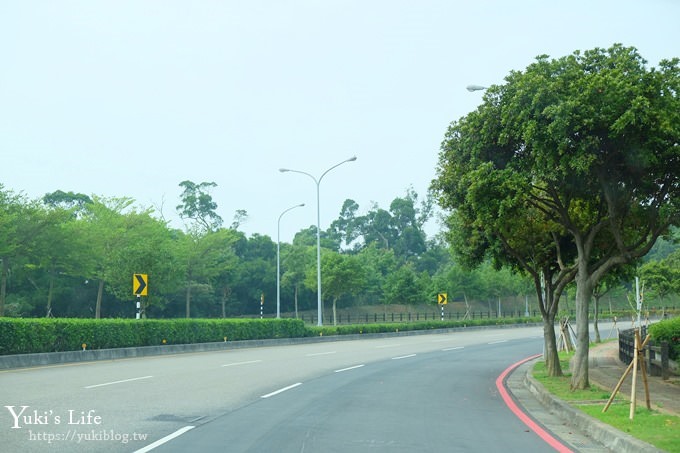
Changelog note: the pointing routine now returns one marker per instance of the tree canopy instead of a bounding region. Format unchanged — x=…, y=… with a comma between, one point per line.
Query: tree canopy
x=590, y=144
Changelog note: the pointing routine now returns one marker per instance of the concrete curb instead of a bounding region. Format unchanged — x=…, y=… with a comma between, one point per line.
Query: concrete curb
x=90, y=355
x=608, y=436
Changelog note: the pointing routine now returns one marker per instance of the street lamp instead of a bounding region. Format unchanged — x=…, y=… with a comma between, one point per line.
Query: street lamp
x=278, y=260
x=318, y=229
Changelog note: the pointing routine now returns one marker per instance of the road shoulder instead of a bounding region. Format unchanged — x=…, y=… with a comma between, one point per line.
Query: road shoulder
x=576, y=429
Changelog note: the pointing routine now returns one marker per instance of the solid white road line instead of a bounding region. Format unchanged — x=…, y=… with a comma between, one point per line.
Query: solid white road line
x=281, y=390
x=347, y=369
x=167, y=438
x=320, y=353
x=243, y=363
x=118, y=382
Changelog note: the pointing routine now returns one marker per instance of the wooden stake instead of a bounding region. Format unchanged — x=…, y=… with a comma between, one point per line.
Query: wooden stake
x=623, y=378
x=643, y=369
x=618, y=386
x=633, y=390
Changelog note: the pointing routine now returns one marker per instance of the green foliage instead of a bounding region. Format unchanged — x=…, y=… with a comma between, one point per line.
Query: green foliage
x=57, y=252
x=23, y=336
x=198, y=205
x=582, y=153
x=354, y=329
x=26, y=336
x=658, y=429
x=667, y=330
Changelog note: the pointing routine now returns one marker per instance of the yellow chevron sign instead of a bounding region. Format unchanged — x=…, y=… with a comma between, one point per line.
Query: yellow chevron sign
x=140, y=284
x=442, y=299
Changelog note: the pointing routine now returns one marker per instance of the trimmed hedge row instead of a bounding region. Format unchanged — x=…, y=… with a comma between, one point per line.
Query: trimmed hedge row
x=38, y=335
x=667, y=330
x=25, y=336
x=353, y=329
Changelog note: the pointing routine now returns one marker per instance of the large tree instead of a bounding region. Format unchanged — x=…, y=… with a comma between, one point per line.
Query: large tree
x=341, y=275
x=595, y=135
x=198, y=206
x=491, y=216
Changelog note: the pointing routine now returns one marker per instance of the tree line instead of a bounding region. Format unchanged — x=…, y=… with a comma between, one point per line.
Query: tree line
x=73, y=255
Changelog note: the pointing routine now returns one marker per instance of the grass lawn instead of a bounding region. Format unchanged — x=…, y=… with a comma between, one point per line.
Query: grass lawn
x=653, y=427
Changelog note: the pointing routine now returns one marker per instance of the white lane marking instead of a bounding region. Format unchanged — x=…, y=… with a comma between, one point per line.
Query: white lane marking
x=320, y=353
x=498, y=341
x=403, y=357
x=349, y=368
x=442, y=340
x=118, y=382
x=453, y=349
x=167, y=438
x=243, y=363
x=388, y=346
x=281, y=390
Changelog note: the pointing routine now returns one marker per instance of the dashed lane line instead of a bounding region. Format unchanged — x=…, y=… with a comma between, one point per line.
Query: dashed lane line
x=348, y=368
x=118, y=382
x=281, y=390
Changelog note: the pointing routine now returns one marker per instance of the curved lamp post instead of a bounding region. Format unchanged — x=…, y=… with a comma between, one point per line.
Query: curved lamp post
x=278, y=260
x=475, y=88
x=318, y=229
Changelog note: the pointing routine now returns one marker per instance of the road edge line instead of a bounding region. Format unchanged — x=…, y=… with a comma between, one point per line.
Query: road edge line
x=540, y=432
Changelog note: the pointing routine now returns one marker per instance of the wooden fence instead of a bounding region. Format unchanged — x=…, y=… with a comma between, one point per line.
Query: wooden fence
x=656, y=355
x=366, y=318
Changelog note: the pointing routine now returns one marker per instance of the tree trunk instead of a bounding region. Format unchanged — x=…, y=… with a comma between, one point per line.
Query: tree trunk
x=467, y=307
x=551, y=357
x=335, y=323
x=188, y=301
x=224, y=304
x=3, y=284
x=596, y=314
x=48, y=313
x=584, y=292
x=296, y=301
x=100, y=294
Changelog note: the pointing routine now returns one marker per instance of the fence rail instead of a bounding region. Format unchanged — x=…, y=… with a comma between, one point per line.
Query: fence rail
x=655, y=355
x=367, y=318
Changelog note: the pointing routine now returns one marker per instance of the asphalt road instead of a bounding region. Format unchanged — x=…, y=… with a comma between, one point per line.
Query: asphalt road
x=414, y=393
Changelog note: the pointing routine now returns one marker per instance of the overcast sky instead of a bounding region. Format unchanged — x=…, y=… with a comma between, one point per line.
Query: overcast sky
x=129, y=98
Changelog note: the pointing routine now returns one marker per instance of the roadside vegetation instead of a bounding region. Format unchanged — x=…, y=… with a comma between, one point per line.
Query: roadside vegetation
x=556, y=193
x=31, y=335
x=656, y=428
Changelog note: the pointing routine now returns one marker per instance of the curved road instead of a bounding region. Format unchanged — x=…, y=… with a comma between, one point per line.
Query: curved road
x=410, y=393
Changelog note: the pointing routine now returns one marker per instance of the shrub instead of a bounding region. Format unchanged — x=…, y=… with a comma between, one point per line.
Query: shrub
x=667, y=330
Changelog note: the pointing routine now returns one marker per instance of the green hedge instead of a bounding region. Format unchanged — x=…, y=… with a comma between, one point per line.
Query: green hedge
x=35, y=335
x=668, y=330
x=25, y=336
x=354, y=329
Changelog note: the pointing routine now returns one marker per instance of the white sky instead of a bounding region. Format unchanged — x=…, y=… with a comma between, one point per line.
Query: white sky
x=129, y=98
